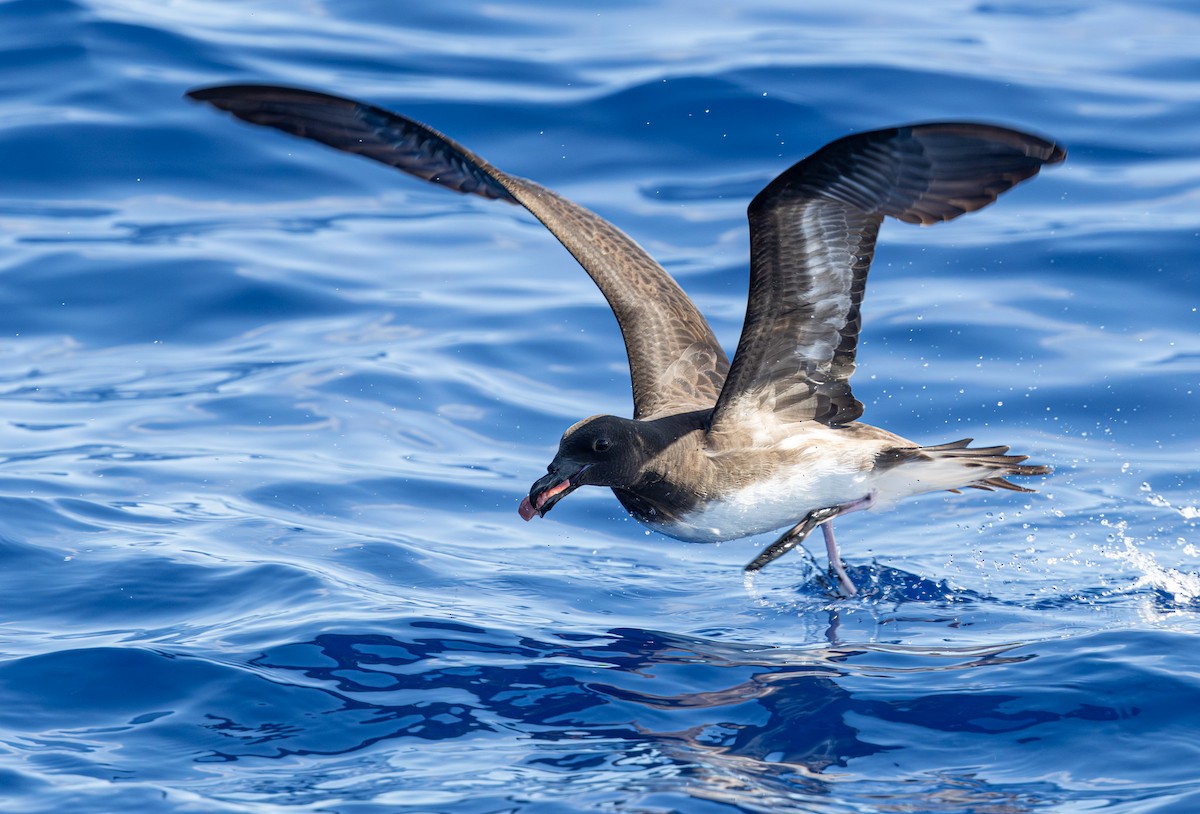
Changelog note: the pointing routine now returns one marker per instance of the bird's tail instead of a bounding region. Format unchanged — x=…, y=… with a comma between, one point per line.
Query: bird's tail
x=993, y=464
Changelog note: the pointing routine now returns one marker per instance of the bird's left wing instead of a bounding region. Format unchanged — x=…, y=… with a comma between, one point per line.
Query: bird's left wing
x=812, y=238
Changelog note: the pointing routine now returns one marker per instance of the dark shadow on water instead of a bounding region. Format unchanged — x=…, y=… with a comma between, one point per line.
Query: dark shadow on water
x=772, y=719
x=638, y=711
x=747, y=725
x=627, y=687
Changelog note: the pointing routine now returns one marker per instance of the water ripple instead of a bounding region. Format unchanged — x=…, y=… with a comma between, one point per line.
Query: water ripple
x=266, y=413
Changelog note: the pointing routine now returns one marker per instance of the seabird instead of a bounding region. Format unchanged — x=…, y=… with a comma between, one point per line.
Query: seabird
x=718, y=451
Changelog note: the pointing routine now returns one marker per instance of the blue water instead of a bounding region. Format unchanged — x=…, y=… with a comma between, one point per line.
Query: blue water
x=266, y=412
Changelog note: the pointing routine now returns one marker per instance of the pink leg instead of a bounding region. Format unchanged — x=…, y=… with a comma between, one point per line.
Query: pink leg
x=831, y=549
x=835, y=559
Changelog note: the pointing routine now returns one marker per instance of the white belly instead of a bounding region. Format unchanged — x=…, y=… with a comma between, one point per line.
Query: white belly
x=821, y=482
x=768, y=506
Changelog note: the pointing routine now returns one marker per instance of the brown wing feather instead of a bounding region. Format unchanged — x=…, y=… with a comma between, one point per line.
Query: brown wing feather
x=812, y=238
x=675, y=361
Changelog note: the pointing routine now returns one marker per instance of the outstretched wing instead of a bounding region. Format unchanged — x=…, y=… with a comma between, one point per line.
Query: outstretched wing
x=675, y=361
x=812, y=237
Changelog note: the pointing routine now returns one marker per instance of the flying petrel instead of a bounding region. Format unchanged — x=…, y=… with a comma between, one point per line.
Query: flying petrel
x=718, y=451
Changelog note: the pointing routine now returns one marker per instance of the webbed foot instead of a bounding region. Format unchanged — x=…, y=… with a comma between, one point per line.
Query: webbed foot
x=796, y=535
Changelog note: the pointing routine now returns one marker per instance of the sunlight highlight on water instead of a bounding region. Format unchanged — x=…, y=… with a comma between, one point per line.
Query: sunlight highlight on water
x=266, y=413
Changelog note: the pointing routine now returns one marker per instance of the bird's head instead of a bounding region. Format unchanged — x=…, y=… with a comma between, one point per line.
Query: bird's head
x=603, y=450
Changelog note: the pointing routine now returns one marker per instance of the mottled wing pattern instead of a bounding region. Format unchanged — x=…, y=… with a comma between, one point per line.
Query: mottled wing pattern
x=812, y=238
x=675, y=361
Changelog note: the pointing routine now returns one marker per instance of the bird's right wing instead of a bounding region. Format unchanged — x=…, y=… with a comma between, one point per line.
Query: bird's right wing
x=675, y=361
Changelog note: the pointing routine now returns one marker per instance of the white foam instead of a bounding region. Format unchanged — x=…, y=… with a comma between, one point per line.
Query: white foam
x=1184, y=587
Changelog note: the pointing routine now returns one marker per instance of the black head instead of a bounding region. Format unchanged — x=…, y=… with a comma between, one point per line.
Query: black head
x=603, y=450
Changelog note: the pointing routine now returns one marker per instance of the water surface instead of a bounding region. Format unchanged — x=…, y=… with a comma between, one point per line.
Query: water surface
x=266, y=412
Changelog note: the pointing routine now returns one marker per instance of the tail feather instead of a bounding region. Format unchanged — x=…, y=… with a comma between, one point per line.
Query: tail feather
x=991, y=484
x=954, y=466
x=998, y=465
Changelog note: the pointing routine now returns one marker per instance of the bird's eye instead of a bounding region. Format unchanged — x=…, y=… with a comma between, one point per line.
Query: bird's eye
x=601, y=444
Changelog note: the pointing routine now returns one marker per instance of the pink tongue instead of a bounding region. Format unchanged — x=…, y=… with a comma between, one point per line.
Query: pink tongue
x=526, y=509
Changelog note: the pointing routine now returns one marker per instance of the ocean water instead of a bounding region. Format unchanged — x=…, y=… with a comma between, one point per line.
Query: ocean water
x=266, y=412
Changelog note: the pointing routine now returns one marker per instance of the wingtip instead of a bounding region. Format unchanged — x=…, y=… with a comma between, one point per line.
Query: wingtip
x=1047, y=151
x=219, y=96
x=209, y=93
x=225, y=96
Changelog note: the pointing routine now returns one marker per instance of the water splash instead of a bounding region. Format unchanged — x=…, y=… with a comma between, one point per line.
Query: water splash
x=1157, y=500
x=1183, y=588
